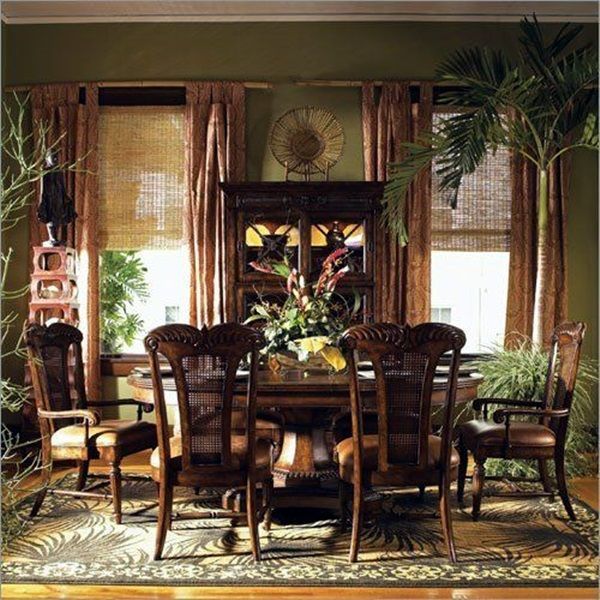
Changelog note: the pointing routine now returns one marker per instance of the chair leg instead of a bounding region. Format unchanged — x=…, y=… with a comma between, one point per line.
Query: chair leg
x=39, y=497
x=165, y=506
x=446, y=516
x=82, y=473
x=37, y=504
x=343, y=498
x=115, y=485
x=559, y=462
x=544, y=477
x=357, y=510
x=252, y=518
x=267, y=502
x=421, y=492
x=462, y=471
x=478, y=480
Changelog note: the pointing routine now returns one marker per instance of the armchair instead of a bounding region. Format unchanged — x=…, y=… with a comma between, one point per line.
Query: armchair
x=543, y=439
x=75, y=430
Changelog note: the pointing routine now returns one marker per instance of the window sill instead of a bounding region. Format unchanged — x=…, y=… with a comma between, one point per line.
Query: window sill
x=120, y=365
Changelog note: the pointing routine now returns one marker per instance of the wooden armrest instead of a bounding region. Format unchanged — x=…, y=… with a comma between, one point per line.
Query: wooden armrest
x=91, y=416
x=114, y=402
x=504, y=414
x=482, y=403
x=141, y=406
x=479, y=403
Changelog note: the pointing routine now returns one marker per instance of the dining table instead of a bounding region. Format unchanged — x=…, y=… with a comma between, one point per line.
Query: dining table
x=304, y=472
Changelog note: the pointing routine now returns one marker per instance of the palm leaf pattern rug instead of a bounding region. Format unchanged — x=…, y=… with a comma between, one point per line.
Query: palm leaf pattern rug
x=516, y=542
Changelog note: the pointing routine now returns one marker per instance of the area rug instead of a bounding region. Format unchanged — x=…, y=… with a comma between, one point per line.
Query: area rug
x=516, y=542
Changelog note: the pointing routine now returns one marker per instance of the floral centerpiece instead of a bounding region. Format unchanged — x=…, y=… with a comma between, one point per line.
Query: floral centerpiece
x=305, y=329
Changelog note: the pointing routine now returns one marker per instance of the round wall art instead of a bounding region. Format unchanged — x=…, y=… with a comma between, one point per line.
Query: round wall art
x=307, y=140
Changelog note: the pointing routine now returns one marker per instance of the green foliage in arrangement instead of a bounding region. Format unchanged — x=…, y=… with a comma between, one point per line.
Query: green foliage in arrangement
x=310, y=313
x=122, y=282
x=24, y=165
x=520, y=374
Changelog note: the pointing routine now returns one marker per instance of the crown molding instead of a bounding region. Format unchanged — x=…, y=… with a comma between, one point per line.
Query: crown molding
x=27, y=12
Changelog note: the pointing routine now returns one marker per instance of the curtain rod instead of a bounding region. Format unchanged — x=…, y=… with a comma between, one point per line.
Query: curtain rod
x=260, y=85
x=247, y=84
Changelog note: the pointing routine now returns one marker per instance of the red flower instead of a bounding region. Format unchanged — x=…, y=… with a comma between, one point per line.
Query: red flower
x=291, y=280
x=262, y=267
x=333, y=281
x=335, y=255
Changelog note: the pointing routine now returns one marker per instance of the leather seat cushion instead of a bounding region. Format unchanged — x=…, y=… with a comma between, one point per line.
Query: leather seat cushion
x=110, y=432
x=345, y=454
x=238, y=451
x=483, y=433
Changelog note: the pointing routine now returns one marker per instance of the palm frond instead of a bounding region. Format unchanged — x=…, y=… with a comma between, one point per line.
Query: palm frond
x=418, y=157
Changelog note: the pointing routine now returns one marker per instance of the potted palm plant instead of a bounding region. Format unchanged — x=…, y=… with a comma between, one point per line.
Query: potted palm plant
x=541, y=106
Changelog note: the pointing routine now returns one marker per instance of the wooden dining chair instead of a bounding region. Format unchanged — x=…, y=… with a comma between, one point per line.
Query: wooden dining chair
x=541, y=438
x=71, y=427
x=206, y=453
x=402, y=452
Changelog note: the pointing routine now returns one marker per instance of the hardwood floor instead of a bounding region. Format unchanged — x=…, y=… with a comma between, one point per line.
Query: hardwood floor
x=586, y=489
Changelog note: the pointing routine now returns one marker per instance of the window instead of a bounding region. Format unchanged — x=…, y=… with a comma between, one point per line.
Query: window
x=141, y=197
x=470, y=252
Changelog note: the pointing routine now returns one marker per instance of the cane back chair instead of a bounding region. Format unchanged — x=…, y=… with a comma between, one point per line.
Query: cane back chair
x=542, y=439
x=402, y=452
x=71, y=427
x=206, y=452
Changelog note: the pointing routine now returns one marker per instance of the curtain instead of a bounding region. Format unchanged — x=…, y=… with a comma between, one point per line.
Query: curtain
x=523, y=250
x=405, y=275
x=76, y=124
x=215, y=152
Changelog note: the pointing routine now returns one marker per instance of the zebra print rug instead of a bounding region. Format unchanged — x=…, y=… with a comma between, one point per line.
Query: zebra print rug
x=516, y=542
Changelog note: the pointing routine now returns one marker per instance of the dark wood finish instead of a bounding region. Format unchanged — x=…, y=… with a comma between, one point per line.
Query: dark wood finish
x=204, y=364
x=542, y=440
x=304, y=204
x=405, y=360
x=308, y=404
x=49, y=349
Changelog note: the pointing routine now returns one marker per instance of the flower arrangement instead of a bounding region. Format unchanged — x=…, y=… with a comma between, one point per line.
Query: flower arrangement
x=312, y=317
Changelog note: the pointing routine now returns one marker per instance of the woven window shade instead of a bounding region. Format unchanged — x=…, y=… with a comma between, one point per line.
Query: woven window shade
x=141, y=177
x=481, y=220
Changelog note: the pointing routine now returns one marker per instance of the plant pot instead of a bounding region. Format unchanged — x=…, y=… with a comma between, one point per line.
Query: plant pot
x=288, y=361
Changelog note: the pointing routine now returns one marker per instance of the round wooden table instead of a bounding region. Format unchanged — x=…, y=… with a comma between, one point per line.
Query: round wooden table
x=307, y=402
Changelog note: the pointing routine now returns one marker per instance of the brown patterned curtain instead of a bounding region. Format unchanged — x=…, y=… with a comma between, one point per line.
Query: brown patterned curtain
x=59, y=106
x=523, y=253
x=389, y=121
x=215, y=152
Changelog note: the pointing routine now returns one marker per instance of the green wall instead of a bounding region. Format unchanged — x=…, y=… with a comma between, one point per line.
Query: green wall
x=282, y=53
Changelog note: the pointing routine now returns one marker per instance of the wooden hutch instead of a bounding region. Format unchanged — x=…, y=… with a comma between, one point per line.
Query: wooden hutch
x=266, y=221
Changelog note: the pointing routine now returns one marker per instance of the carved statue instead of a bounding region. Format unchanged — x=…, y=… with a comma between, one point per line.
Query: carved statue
x=56, y=208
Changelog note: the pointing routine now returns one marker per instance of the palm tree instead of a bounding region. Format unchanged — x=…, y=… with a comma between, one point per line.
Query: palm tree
x=541, y=106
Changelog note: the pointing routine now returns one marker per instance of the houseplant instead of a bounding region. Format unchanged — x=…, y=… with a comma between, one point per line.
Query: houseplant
x=541, y=106
x=304, y=330
x=122, y=281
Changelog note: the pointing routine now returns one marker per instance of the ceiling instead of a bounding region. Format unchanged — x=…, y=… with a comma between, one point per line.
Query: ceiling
x=99, y=11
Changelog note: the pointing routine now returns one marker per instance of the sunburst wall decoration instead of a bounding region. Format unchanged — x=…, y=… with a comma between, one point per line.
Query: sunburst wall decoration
x=307, y=140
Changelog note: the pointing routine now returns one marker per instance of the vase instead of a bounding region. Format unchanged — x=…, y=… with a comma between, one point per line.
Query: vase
x=288, y=361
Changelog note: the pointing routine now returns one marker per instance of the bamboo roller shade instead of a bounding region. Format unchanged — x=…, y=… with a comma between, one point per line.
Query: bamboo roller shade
x=141, y=175
x=481, y=220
